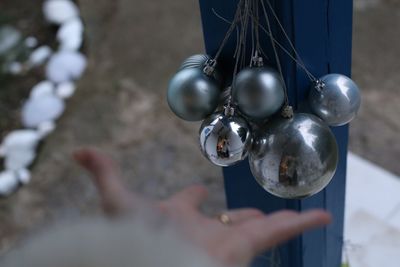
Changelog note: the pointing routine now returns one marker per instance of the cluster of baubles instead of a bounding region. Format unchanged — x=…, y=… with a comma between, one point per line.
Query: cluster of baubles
x=291, y=157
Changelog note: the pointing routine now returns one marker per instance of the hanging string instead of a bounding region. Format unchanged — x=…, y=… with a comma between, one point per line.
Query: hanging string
x=210, y=64
x=256, y=55
x=232, y=23
x=253, y=35
x=278, y=62
x=241, y=44
x=244, y=28
x=243, y=15
x=256, y=21
x=228, y=34
x=287, y=111
x=299, y=60
x=249, y=10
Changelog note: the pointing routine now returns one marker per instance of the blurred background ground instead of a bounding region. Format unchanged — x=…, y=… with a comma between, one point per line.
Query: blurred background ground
x=133, y=47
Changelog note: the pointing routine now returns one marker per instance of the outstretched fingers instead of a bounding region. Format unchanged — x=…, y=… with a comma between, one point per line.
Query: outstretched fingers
x=105, y=175
x=269, y=231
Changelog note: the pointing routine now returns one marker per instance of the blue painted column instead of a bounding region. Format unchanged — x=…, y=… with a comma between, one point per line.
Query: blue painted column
x=321, y=31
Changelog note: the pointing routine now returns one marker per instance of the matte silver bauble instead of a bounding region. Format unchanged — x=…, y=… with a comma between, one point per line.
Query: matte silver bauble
x=225, y=139
x=192, y=95
x=294, y=158
x=195, y=61
x=199, y=61
x=258, y=92
x=337, y=101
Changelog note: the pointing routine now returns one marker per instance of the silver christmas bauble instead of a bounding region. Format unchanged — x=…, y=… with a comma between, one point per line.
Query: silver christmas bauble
x=258, y=92
x=294, y=158
x=337, y=101
x=195, y=61
x=199, y=61
x=225, y=139
x=192, y=95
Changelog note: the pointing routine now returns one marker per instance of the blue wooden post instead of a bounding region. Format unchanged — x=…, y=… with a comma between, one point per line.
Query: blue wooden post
x=321, y=31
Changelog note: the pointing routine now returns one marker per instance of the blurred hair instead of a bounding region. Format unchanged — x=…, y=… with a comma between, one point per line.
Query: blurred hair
x=103, y=243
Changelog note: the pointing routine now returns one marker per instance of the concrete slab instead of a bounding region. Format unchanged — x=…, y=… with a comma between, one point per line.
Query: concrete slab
x=372, y=220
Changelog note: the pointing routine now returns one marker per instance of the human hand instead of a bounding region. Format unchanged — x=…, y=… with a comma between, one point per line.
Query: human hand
x=247, y=233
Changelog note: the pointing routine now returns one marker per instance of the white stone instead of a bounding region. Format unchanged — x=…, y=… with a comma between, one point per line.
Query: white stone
x=2, y=151
x=74, y=43
x=9, y=38
x=15, y=68
x=65, y=90
x=31, y=42
x=42, y=89
x=70, y=34
x=19, y=159
x=38, y=110
x=20, y=140
x=24, y=176
x=65, y=66
x=8, y=183
x=45, y=128
x=59, y=11
x=40, y=55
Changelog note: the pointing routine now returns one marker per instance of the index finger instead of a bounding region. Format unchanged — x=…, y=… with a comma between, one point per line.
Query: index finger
x=269, y=231
x=116, y=199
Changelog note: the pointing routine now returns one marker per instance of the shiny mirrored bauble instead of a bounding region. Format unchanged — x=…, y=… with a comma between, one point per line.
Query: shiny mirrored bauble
x=258, y=92
x=337, y=101
x=225, y=139
x=294, y=158
x=192, y=95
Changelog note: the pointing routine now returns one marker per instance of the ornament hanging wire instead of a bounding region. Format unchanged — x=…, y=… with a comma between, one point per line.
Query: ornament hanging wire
x=257, y=52
x=261, y=52
x=297, y=60
x=240, y=56
x=210, y=64
x=287, y=110
x=346, y=99
x=249, y=10
x=241, y=23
